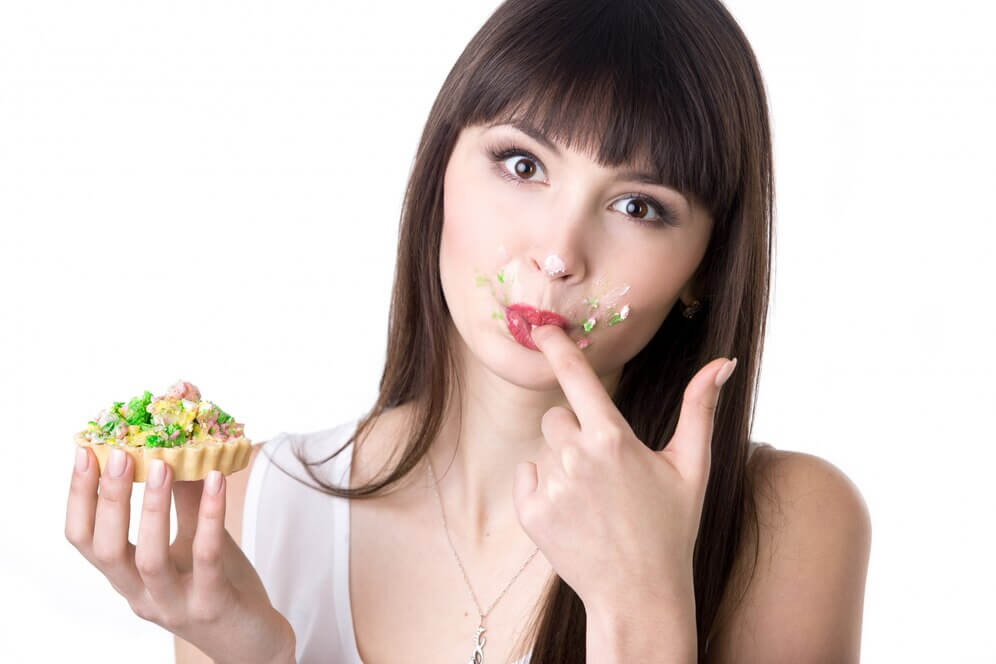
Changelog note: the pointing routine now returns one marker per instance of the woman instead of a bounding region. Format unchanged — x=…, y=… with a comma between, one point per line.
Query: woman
x=552, y=471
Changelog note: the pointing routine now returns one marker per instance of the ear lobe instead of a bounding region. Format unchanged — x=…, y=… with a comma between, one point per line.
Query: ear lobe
x=687, y=292
x=686, y=297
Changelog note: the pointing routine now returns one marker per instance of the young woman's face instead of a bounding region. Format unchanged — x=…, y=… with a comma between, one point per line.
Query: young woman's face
x=542, y=227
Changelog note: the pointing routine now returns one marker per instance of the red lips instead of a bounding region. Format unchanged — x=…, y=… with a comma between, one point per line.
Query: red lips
x=521, y=317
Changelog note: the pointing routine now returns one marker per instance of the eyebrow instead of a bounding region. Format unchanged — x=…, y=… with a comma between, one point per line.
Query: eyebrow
x=541, y=138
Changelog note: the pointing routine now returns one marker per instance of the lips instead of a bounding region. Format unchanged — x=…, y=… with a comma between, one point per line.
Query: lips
x=521, y=318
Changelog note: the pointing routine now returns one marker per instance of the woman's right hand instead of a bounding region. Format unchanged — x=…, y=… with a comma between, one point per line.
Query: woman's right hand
x=201, y=587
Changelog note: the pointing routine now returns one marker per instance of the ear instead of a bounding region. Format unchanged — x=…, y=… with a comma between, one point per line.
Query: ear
x=687, y=293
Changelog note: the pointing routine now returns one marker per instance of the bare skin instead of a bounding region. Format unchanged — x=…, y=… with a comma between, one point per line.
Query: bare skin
x=415, y=607
x=570, y=206
x=201, y=587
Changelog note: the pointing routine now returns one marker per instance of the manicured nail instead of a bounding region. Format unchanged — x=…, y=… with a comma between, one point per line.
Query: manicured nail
x=82, y=460
x=116, y=465
x=725, y=372
x=213, y=482
x=157, y=474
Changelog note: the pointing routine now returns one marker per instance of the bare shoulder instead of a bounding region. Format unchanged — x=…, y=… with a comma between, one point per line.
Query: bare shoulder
x=805, y=599
x=235, y=495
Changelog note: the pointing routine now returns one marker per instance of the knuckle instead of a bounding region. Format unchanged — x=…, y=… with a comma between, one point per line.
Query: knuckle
x=102, y=556
x=703, y=401
x=77, y=492
x=75, y=535
x=206, y=609
x=172, y=622
x=608, y=437
x=528, y=514
x=149, y=565
x=707, y=405
x=572, y=460
x=572, y=364
x=108, y=556
x=155, y=506
x=110, y=495
x=205, y=554
x=203, y=613
x=146, y=611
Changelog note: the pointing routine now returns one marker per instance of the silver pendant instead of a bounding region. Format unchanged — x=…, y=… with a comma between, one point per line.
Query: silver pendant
x=479, y=640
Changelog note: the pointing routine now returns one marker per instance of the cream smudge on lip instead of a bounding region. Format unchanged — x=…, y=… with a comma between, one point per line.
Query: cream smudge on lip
x=599, y=308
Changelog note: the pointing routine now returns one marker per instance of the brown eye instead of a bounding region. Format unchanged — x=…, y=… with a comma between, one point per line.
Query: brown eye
x=518, y=170
x=642, y=210
x=523, y=169
x=637, y=207
x=523, y=166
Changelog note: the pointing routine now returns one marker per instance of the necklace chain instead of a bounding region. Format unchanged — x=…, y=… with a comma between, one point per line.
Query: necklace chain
x=442, y=513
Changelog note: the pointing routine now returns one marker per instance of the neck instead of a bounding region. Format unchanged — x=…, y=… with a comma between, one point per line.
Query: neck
x=488, y=430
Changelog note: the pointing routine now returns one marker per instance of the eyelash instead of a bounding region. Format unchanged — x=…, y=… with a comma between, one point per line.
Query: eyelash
x=501, y=152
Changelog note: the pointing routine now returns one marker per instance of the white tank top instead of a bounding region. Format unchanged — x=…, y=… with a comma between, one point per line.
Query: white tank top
x=297, y=538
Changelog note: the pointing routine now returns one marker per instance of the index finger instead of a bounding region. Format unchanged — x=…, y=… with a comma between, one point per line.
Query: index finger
x=582, y=386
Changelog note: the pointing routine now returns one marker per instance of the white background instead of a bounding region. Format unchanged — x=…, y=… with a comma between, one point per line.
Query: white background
x=211, y=190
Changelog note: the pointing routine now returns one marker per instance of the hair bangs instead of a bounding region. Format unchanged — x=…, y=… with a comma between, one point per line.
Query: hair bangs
x=598, y=89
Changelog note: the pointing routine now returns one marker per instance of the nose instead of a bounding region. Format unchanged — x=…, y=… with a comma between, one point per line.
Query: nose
x=553, y=265
x=558, y=265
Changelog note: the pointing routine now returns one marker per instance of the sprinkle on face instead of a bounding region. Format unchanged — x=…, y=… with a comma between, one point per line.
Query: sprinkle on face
x=585, y=313
x=619, y=316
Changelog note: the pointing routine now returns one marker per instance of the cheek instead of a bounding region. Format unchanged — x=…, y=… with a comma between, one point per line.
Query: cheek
x=469, y=245
x=469, y=227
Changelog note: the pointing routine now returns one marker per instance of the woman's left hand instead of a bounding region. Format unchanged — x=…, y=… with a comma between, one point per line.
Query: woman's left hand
x=615, y=518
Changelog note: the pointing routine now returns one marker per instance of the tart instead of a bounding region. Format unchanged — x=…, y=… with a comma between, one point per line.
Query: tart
x=190, y=434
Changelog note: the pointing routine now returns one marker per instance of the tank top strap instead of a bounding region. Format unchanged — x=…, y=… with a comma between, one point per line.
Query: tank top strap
x=291, y=534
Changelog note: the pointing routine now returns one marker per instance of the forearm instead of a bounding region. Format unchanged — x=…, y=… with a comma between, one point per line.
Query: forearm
x=641, y=630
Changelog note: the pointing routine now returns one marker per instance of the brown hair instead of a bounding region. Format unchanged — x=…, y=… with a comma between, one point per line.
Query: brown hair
x=671, y=82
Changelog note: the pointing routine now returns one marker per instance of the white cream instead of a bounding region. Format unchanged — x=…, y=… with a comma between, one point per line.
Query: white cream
x=553, y=265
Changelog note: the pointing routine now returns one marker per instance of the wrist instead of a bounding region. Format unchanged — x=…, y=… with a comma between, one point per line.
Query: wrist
x=634, y=628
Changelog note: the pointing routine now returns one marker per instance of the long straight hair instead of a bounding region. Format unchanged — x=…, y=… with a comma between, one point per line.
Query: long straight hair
x=676, y=84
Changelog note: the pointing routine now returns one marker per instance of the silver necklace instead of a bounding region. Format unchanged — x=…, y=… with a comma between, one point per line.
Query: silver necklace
x=478, y=656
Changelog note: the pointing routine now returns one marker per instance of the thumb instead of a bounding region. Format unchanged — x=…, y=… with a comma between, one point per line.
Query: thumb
x=691, y=447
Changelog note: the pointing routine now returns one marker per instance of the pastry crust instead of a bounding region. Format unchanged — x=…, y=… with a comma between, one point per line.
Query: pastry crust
x=190, y=461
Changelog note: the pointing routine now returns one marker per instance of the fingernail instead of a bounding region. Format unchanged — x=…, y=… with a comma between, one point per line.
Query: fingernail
x=213, y=482
x=725, y=372
x=116, y=465
x=82, y=460
x=157, y=474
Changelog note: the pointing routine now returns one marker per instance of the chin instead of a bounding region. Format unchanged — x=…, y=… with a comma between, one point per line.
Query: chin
x=490, y=346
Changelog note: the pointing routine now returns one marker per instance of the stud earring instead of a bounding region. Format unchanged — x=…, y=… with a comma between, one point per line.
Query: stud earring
x=691, y=309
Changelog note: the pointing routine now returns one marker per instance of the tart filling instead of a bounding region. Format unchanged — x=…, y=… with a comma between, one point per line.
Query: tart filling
x=192, y=435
